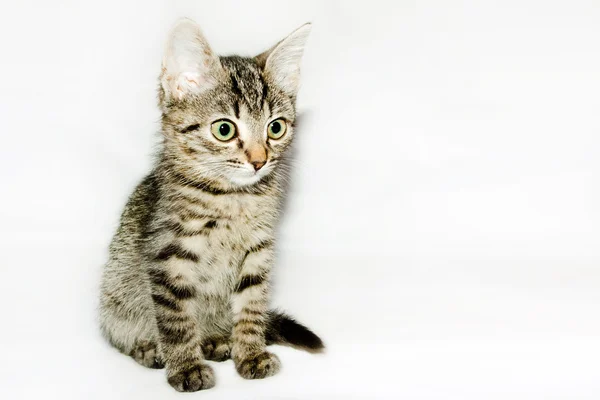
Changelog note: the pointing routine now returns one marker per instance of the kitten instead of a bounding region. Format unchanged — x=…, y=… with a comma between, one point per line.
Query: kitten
x=188, y=275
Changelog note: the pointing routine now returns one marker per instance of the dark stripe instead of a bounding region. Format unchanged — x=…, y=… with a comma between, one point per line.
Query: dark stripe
x=188, y=214
x=163, y=301
x=204, y=186
x=175, y=335
x=210, y=224
x=237, y=91
x=259, y=188
x=235, y=87
x=244, y=259
x=177, y=318
x=191, y=202
x=260, y=246
x=249, y=321
x=161, y=278
x=249, y=312
x=190, y=128
x=181, y=231
x=182, y=292
x=249, y=330
x=207, y=187
x=174, y=250
x=248, y=281
x=249, y=340
x=236, y=108
x=264, y=93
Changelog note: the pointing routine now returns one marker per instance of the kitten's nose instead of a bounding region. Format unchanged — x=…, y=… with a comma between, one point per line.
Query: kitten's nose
x=258, y=164
x=257, y=156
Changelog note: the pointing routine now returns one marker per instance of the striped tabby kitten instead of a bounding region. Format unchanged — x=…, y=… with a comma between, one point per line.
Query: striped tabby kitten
x=188, y=274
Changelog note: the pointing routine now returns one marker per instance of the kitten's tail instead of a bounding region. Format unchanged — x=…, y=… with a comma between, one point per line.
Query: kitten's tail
x=283, y=329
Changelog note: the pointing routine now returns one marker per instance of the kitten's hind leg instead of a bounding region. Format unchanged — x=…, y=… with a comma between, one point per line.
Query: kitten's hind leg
x=146, y=353
x=217, y=348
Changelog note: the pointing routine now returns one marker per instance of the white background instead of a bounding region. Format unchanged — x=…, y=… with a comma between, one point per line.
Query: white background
x=443, y=229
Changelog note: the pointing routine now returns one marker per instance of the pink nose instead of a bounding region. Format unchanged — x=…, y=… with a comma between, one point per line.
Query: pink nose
x=258, y=164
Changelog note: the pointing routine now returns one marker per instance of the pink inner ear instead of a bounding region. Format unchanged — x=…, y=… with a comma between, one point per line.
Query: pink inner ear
x=188, y=82
x=193, y=81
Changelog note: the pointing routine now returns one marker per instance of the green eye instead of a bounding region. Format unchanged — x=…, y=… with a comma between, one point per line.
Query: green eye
x=277, y=128
x=223, y=130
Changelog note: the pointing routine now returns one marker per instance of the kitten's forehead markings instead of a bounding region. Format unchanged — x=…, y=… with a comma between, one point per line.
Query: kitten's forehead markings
x=238, y=94
x=250, y=129
x=264, y=101
x=266, y=108
x=247, y=83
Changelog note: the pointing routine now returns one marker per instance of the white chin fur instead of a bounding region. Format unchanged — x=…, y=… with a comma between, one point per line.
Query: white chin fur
x=246, y=180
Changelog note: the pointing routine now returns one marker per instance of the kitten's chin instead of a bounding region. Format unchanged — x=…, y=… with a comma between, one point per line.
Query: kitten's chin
x=244, y=177
x=243, y=181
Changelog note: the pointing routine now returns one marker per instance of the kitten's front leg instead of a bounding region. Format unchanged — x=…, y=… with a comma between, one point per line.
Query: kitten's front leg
x=179, y=334
x=250, y=302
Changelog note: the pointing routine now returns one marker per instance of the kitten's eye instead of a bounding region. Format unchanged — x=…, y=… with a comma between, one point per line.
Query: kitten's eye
x=223, y=130
x=277, y=128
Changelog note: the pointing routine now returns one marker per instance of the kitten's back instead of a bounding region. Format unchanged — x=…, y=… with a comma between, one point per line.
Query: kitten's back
x=125, y=293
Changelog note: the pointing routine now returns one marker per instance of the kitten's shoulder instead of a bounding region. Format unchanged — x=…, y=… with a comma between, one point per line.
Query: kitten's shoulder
x=140, y=208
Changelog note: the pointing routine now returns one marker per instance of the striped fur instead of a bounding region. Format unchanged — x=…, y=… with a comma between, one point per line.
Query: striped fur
x=189, y=267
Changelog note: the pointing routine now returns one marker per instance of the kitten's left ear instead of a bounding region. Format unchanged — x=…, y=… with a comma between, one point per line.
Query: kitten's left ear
x=281, y=63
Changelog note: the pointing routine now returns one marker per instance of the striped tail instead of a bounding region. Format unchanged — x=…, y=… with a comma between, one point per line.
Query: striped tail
x=283, y=329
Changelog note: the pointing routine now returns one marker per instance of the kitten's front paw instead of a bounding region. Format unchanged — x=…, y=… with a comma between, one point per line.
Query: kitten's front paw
x=217, y=349
x=197, y=377
x=261, y=366
x=146, y=353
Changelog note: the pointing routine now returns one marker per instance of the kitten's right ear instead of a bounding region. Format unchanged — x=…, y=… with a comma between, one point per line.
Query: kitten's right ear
x=189, y=65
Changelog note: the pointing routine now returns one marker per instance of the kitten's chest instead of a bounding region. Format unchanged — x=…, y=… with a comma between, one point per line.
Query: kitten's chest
x=224, y=242
x=244, y=216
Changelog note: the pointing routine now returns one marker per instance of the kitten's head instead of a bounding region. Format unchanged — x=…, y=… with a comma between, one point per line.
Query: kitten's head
x=228, y=120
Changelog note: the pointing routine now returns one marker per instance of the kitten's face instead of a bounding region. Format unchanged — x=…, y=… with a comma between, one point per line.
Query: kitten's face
x=237, y=131
x=228, y=120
